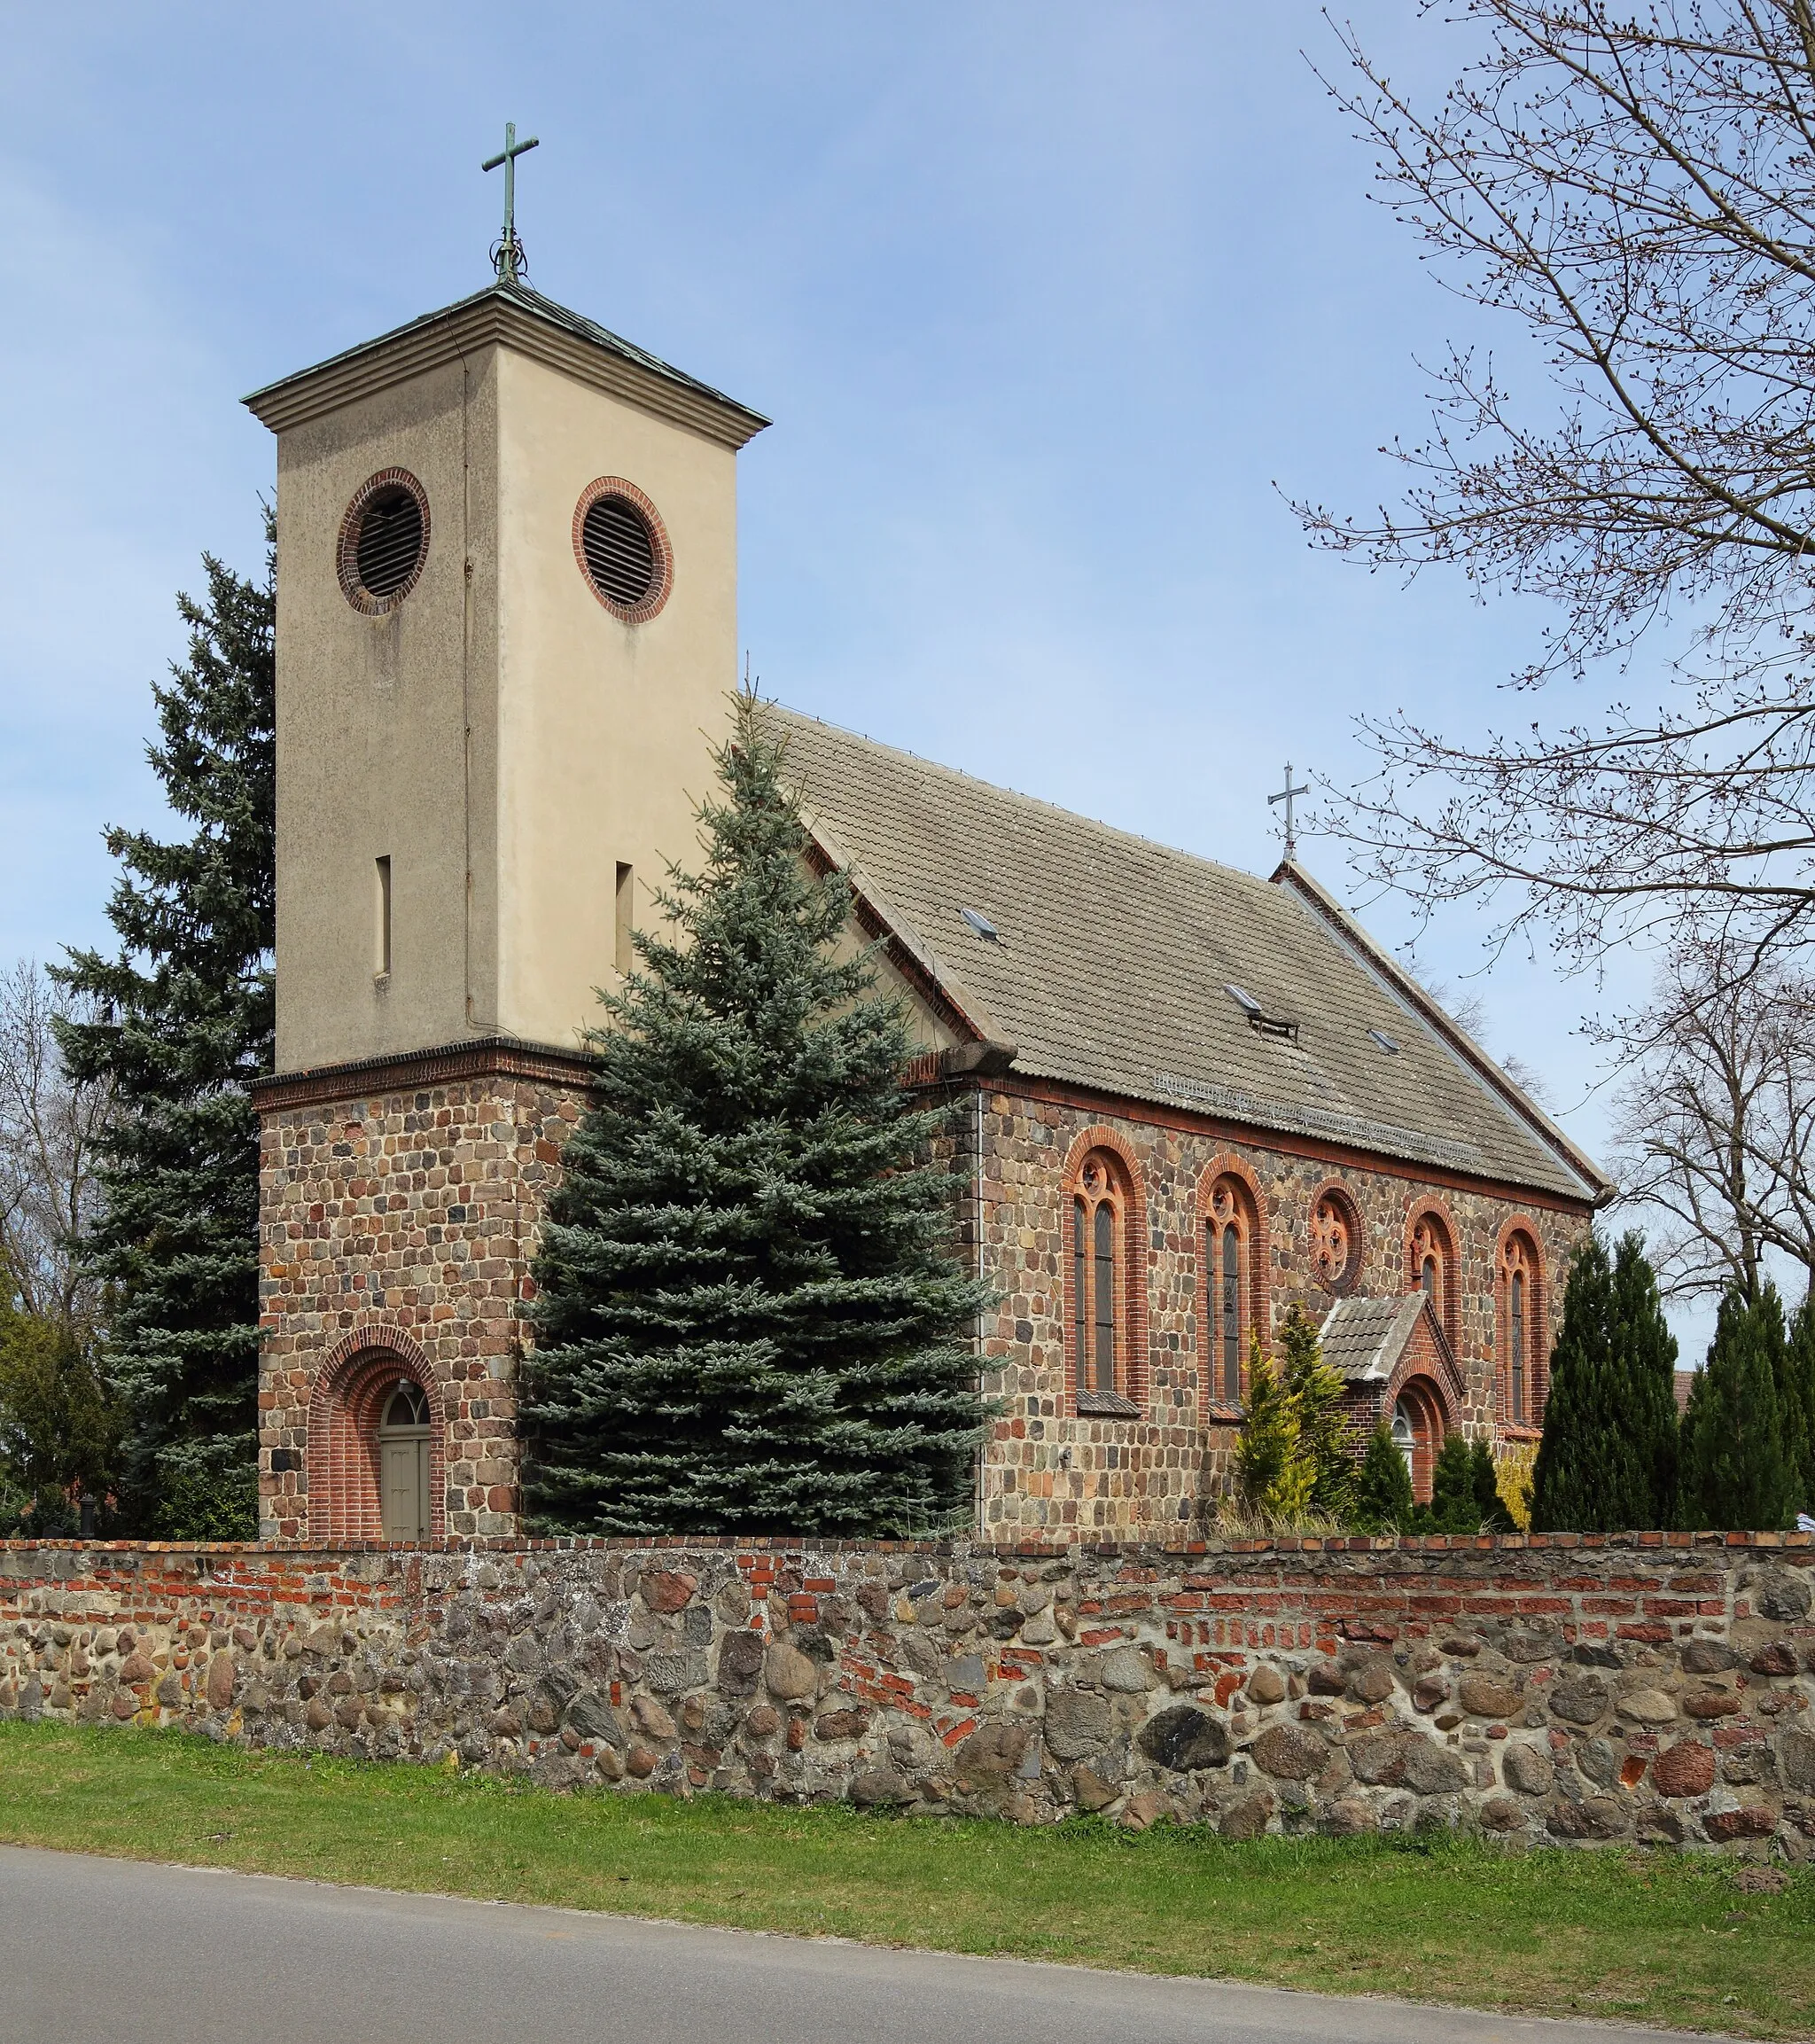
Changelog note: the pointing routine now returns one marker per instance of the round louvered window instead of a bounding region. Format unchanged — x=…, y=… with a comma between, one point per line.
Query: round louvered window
x=622, y=549
x=383, y=541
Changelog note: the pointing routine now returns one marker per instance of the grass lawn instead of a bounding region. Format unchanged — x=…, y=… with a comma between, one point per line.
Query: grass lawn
x=1649, y=1938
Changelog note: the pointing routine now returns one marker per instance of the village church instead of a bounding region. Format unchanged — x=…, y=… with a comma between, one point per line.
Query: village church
x=1184, y=1096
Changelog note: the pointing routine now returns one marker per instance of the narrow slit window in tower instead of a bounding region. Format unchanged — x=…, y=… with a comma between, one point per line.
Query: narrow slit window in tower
x=626, y=954
x=382, y=964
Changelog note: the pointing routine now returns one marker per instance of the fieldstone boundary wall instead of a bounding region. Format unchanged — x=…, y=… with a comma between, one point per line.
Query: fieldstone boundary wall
x=1564, y=1690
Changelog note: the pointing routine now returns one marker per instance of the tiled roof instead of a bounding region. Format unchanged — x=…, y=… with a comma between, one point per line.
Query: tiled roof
x=1682, y=1383
x=1114, y=957
x=1365, y=1337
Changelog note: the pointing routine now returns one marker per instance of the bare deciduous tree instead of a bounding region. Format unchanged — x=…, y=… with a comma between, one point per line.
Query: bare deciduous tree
x=1636, y=186
x=48, y=1128
x=1714, y=1128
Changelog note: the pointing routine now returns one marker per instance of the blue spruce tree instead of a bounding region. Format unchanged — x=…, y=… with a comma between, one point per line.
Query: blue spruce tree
x=748, y=1318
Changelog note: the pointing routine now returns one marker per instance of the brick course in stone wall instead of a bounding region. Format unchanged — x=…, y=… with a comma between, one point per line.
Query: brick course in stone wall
x=1566, y=1690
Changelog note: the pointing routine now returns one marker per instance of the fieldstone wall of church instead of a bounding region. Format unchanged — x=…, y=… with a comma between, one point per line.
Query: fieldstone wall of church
x=399, y=1226
x=1050, y=1471
x=1566, y=1690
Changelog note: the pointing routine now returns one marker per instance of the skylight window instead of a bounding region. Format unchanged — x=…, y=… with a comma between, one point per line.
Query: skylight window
x=1258, y=1019
x=982, y=925
x=1384, y=1042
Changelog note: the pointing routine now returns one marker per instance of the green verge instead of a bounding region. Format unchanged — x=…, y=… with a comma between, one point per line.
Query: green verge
x=1657, y=1938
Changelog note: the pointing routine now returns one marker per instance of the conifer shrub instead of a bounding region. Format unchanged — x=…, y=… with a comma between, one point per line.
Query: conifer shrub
x=1453, y=1507
x=1489, y=1508
x=1316, y=1392
x=1732, y=1476
x=1644, y=1363
x=1795, y=1405
x=1607, y=1460
x=749, y=1316
x=1274, y=1476
x=1383, y=1498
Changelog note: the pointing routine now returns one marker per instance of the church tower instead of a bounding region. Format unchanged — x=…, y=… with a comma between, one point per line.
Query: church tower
x=506, y=632
x=506, y=625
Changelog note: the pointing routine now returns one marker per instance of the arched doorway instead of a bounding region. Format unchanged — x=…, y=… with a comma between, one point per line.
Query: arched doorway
x=376, y=1442
x=403, y=1461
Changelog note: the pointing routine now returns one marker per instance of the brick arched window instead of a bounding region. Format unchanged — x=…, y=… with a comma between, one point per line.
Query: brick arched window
x=1431, y=1265
x=1233, y=1298
x=1105, y=1283
x=1101, y=1260
x=1522, y=1348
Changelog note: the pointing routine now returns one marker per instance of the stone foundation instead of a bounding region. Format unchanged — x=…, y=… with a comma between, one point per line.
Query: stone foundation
x=1561, y=1690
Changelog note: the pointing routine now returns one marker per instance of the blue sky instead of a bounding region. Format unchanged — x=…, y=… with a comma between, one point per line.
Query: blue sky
x=1049, y=302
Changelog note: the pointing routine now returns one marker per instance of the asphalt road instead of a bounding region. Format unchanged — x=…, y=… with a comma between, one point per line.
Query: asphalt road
x=102, y=1948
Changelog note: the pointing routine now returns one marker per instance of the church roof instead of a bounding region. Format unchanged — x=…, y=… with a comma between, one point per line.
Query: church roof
x=514, y=314
x=1129, y=968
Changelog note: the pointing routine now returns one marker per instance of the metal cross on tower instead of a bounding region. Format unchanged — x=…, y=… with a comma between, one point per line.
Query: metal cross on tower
x=1285, y=795
x=507, y=255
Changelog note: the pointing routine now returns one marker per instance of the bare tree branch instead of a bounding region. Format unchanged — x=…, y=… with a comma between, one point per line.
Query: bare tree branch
x=1715, y=1127
x=1637, y=188
x=48, y=1125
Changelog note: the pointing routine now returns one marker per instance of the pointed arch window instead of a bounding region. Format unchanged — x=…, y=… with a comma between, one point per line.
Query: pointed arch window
x=1522, y=1351
x=1232, y=1301
x=1431, y=1254
x=1100, y=1267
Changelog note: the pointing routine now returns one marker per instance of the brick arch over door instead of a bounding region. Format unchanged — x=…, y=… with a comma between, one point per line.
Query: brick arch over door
x=1233, y=1175
x=1136, y=1256
x=344, y=1411
x=1421, y=1400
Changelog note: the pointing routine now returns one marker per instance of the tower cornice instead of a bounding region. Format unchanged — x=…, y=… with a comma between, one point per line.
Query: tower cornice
x=509, y=315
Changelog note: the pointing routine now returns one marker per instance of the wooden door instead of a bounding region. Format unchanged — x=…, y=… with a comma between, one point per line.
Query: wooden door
x=405, y=1489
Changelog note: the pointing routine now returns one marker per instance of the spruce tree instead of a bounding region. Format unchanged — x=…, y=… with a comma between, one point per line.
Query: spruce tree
x=1731, y=1471
x=1644, y=1363
x=1383, y=1498
x=1593, y=1475
x=1795, y=1401
x=184, y=1020
x=1274, y=1478
x=1453, y=1508
x=1489, y=1508
x=1317, y=1400
x=748, y=1315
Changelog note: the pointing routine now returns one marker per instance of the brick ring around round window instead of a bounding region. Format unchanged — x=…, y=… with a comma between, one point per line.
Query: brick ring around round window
x=1336, y=1239
x=383, y=541
x=623, y=550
